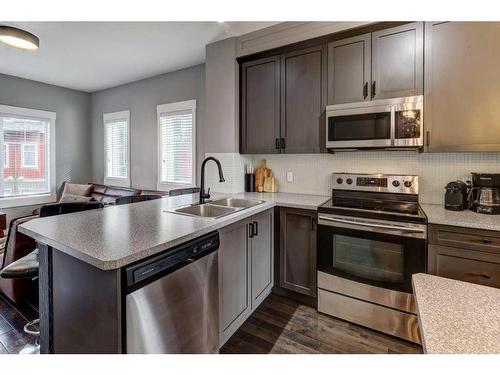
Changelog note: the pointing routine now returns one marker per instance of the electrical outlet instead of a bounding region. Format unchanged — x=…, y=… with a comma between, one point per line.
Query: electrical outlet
x=289, y=176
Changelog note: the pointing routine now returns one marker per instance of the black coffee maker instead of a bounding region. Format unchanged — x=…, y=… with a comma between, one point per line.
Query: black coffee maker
x=484, y=196
x=455, y=198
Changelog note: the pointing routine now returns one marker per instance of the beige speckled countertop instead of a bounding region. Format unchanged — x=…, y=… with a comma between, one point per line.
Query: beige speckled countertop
x=436, y=214
x=456, y=317
x=115, y=236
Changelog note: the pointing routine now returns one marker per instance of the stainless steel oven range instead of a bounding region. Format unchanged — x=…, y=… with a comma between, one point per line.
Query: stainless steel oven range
x=372, y=236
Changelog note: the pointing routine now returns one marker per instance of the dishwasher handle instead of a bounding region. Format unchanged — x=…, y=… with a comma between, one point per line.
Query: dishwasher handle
x=149, y=270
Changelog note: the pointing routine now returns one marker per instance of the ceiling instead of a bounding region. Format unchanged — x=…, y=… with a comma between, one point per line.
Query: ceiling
x=92, y=56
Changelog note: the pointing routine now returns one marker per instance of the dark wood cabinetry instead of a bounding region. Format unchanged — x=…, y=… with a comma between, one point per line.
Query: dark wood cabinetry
x=260, y=106
x=349, y=69
x=384, y=64
x=298, y=250
x=471, y=255
x=283, y=96
x=398, y=61
x=303, y=99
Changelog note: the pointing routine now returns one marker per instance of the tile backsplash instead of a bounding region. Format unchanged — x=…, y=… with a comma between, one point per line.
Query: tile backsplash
x=312, y=172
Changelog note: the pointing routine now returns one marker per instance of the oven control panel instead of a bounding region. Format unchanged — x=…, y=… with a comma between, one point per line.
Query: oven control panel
x=376, y=182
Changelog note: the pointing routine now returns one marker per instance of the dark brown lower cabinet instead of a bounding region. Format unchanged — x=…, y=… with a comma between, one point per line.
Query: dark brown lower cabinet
x=465, y=254
x=298, y=250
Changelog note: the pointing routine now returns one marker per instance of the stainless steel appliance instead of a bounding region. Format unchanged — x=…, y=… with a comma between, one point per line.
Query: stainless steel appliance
x=172, y=300
x=484, y=196
x=372, y=238
x=389, y=123
x=455, y=198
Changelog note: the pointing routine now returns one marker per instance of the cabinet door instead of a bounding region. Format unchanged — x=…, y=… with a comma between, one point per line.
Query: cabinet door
x=349, y=69
x=260, y=105
x=234, y=278
x=262, y=257
x=464, y=265
x=461, y=92
x=298, y=250
x=303, y=98
x=397, y=61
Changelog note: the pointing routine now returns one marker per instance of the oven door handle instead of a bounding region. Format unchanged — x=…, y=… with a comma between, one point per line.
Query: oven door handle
x=373, y=225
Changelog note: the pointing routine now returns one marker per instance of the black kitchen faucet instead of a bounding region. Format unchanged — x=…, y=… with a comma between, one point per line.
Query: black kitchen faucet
x=206, y=195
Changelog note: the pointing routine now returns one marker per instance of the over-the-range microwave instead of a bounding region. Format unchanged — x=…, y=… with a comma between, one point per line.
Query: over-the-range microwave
x=395, y=123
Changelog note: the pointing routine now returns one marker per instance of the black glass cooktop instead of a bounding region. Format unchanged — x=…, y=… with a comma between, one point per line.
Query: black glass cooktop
x=397, y=207
x=408, y=208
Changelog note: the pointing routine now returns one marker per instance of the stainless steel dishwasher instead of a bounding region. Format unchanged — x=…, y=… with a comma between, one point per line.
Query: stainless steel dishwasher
x=172, y=300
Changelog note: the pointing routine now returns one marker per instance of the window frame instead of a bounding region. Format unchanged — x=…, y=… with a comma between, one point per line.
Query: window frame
x=23, y=163
x=108, y=117
x=42, y=198
x=188, y=105
x=6, y=156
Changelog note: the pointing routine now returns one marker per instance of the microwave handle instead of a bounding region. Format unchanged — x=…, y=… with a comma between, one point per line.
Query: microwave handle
x=373, y=225
x=393, y=125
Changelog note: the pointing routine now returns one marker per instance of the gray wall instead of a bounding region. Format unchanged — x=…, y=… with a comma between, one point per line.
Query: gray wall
x=141, y=98
x=72, y=135
x=222, y=91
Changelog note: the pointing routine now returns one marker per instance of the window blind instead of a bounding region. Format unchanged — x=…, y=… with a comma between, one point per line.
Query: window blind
x=25, y=157
x=116, y=148
x=176, y=147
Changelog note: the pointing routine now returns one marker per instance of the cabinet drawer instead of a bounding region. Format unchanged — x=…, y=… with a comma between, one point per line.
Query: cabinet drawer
x=465, y=238
x=473, y=271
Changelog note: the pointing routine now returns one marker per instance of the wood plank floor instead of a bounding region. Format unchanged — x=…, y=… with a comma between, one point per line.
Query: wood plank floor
x=12, y=321
x=281, y=325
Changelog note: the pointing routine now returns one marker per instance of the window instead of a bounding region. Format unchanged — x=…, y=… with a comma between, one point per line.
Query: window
x=176, y=144
x=6, y=161
x=28, y=157
x=116, y=148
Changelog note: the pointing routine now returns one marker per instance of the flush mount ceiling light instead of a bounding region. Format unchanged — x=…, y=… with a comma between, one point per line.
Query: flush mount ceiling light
x=18, y=38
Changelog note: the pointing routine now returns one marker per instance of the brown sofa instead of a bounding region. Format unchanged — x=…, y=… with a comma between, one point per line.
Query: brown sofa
x=18, y=245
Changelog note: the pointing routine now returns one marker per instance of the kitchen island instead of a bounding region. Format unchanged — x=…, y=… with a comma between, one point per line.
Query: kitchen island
x=457, y=317
x=83, y=258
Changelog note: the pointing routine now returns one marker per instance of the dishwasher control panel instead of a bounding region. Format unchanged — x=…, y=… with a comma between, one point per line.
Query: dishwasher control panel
x=172, y=259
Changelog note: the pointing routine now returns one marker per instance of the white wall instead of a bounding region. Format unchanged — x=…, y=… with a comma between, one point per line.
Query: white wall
x=312, y=171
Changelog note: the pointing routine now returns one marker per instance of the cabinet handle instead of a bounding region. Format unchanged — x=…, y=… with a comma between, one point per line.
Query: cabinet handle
x=485, y=241
x=313, y=222
x=282, y=143
x=365, y=90
x=277, y=143
x=255, y=227
x=483, y=275
x=373, y=89
x=250, y=230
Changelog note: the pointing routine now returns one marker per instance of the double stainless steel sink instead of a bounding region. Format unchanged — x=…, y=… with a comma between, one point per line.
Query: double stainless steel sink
x=217, y=208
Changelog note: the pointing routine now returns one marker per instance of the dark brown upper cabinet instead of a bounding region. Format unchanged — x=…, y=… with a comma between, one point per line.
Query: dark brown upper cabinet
x=462, y=92
x=260, y=106
x=379, y=65
x=303, y=99
x=349, y=70
x=283, y=93
x=397, y=61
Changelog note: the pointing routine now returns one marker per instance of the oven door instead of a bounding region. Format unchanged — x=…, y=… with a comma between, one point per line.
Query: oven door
x=376, y=252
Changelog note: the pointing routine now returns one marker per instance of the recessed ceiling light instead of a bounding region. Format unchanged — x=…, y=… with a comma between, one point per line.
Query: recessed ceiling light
x=18, y=38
